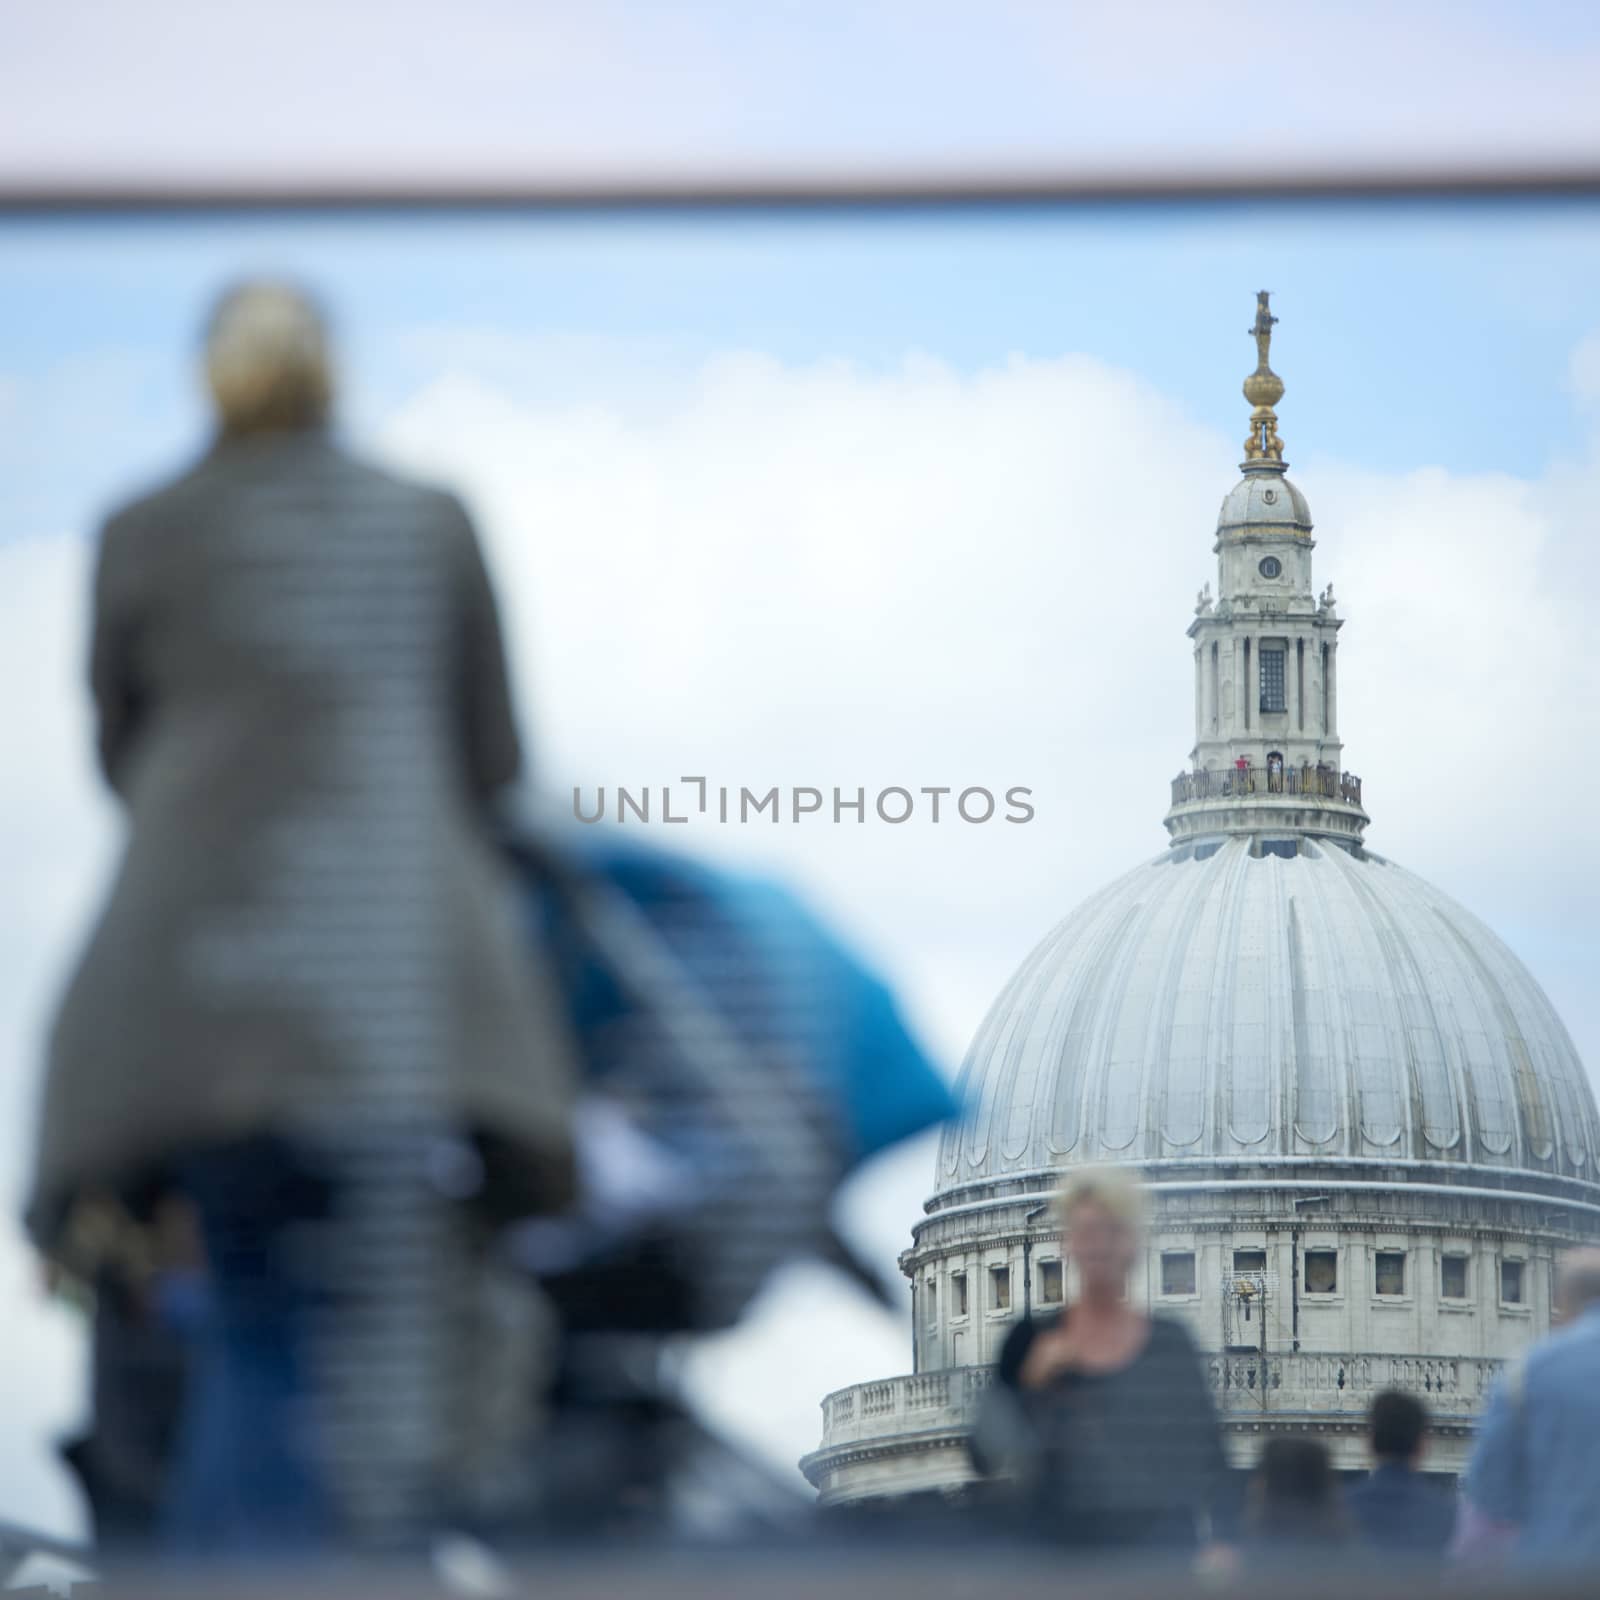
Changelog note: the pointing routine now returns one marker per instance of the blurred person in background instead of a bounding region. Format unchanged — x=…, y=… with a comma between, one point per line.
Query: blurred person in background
x=1292, y=1504
x=1100, y=1412
x=1532, y=1490
x=1396, y=1508
x=305, y=1011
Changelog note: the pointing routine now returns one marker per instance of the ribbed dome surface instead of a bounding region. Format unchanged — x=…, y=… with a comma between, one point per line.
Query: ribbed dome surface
x=1258, y=1008
x=1264, y=500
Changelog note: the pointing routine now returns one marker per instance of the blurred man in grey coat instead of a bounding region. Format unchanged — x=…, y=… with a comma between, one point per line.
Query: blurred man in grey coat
x=305, y=1007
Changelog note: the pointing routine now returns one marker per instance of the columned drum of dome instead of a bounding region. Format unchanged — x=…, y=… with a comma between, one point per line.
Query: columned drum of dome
x=1365, y=1132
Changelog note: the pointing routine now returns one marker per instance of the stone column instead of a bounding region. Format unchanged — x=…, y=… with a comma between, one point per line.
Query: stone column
x=1199, y=693
x=1333, y=690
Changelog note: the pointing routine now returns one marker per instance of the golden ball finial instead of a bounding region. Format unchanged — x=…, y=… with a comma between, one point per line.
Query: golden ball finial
x=1263, y=388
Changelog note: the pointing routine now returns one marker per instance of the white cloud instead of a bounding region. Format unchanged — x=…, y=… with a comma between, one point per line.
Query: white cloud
x=57, y=834
x=829, y=575
x=833, y=575
x=1467, y=691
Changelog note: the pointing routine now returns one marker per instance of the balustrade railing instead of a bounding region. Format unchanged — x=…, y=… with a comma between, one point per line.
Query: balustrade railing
x=878, y=1399
x=1321, y=783
x=1249, y=1382
x=1241, y=1382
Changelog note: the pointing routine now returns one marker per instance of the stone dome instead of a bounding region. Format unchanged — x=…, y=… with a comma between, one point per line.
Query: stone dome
x=1222, y=1006
x=1267, y=500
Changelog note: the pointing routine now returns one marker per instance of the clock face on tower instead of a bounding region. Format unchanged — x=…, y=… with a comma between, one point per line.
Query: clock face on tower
x=1270, y=567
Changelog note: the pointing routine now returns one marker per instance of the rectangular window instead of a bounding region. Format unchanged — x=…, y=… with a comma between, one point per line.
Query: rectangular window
x=931, y=1299
x=1452, y=1277
x=1177, y=1272
x=1249, y=1260
x=999, y=1288
x=1322, y=1271
x=958, y=1294
x=1390, y=1272
x=1273, y=692
x=1050, y=1283
x=1511, y=1286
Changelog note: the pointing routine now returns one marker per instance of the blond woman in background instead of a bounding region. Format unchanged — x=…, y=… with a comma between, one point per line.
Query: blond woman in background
x=1100, y=1413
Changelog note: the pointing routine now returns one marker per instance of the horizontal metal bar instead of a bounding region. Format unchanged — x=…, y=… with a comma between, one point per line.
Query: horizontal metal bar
x=885, y=189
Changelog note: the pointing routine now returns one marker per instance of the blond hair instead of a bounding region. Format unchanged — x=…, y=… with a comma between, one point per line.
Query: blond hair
x=1115, y=1189
x=266, y=359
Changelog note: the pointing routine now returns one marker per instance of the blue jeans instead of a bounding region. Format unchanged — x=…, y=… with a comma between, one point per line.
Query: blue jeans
x=247, y=1478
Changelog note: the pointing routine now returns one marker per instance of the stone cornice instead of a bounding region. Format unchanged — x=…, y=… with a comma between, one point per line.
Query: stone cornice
x=1221, y=1178
x=881, y=1447
x=952, y=1233
x=1237, y=533
x=1317, y=1222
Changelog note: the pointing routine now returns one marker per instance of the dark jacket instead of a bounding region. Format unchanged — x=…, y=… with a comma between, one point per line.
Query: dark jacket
x=303, y=705
x=1398, y=1509
x=1126, y=1458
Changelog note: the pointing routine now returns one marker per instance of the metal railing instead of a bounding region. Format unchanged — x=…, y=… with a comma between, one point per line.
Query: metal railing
x=1321, y=783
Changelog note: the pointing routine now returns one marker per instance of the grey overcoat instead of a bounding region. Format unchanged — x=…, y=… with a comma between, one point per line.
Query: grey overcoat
x=303, y=703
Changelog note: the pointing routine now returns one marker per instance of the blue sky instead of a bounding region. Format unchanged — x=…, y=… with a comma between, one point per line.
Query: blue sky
x=1420, y=333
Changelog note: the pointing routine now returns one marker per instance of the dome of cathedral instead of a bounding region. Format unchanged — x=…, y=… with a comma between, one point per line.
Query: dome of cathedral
x=1231, y=1004
x=1264, y=500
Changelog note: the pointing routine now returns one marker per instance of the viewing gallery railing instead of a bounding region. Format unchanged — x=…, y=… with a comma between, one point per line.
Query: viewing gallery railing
x=1241, y=1382
x=1345, y=1382
x=906, y=1404
x=1321, y=783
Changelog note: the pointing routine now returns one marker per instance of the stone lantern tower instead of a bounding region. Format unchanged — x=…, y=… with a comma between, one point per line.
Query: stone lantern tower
x=1266, y=651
